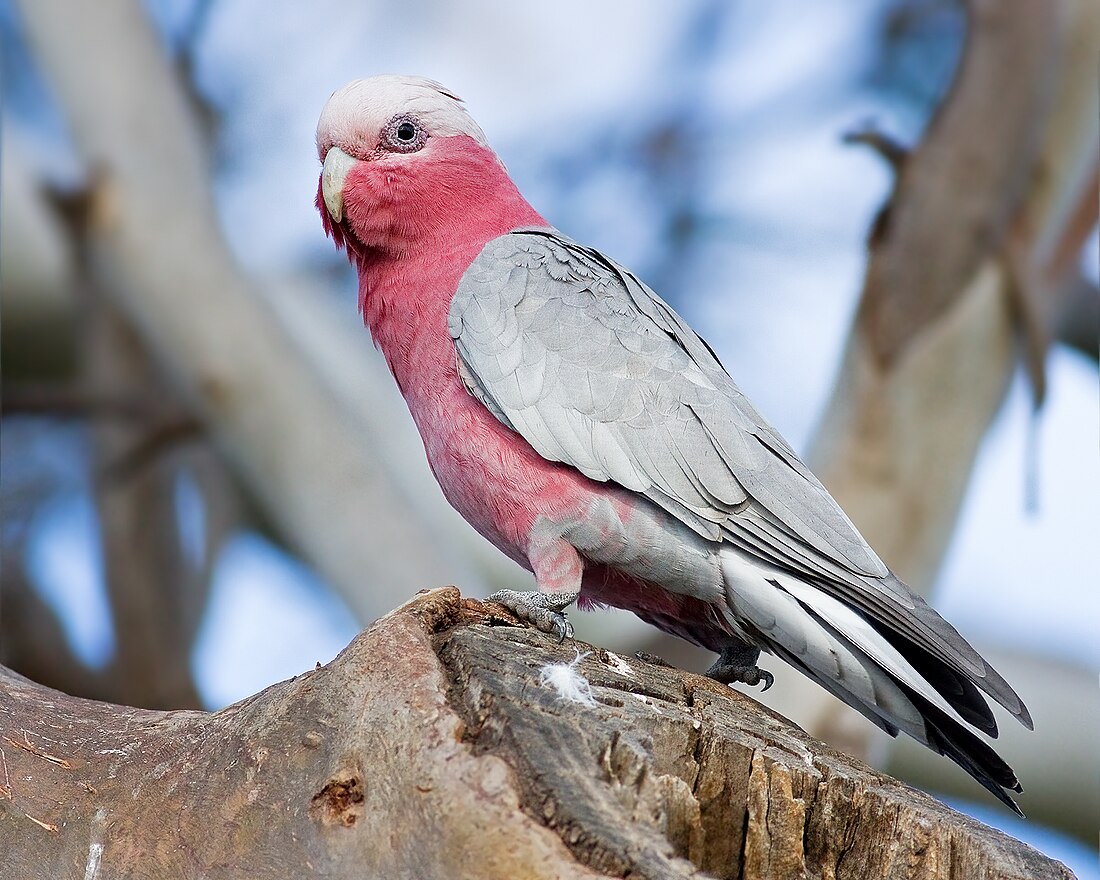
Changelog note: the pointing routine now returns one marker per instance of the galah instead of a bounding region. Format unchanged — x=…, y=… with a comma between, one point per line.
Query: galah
x=578, y=423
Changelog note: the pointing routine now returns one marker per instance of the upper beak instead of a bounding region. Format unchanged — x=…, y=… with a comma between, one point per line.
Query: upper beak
x=337, y=165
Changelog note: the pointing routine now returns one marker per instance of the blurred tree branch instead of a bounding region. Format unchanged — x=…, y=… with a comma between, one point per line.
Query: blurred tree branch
x=967, y=259
x=37, y=270
x=1077, y=323
x=65, y=400
x=963, y=262
x=156, y=593
x=160, y=255
x=33, y=640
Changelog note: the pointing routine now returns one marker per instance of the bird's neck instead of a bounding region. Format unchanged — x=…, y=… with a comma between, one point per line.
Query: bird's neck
x=407, y=280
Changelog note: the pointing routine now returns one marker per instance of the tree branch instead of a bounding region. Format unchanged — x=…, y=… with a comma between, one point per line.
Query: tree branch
x=981, y=206
x=155, y=599
x=158, y=251
x=37, y=270
x=971, y=167
x=960, y=268
x=428, y=748
x=1078, y=324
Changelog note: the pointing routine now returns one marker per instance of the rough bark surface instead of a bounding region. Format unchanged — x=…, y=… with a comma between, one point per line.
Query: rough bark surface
x=429, y=748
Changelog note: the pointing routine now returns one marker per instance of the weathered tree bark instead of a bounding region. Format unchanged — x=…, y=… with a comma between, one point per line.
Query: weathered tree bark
x=429, y=748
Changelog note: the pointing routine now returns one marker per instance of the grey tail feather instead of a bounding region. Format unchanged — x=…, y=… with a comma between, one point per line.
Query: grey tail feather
x=949, y=738
x=956, y=688
x=951, y=681
x=945, y=736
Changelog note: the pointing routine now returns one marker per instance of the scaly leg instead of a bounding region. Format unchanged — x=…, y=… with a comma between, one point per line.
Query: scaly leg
x=543, y=610
x=737, y=663
x=558, y=570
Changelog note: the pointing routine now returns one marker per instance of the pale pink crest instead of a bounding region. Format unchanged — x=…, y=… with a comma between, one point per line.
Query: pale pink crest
x=355, y=113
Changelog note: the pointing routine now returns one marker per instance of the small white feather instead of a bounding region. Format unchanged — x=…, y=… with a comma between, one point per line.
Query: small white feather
x=619, y=664
x=570, y=684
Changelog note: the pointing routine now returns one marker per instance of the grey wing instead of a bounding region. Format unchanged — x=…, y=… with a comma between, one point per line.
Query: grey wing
x=594, y=370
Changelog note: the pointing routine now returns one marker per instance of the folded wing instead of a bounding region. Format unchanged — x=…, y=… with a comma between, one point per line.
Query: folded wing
x=594, y=370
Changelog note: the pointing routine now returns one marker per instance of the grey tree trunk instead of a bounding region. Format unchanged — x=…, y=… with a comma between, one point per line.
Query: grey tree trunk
x=430, y=748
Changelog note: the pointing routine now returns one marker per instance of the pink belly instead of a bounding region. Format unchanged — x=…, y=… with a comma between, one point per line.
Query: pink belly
x=500, y=485
x=491, y=475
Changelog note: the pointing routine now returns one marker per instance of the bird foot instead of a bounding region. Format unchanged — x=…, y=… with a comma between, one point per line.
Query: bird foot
x=738, y=665
x=542, y=610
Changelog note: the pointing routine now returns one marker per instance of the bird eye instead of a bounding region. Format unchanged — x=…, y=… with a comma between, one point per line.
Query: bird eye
x=403, y=134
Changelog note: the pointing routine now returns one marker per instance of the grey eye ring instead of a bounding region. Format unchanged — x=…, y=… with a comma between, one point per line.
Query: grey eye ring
x=404, y=134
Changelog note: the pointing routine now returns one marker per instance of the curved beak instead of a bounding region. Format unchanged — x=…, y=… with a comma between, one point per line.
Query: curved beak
x=337, y=165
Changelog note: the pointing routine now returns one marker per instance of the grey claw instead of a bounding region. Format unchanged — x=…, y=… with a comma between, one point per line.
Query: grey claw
x=737, y=663
x=542, y=610
x=750, y=675
x=562, y=627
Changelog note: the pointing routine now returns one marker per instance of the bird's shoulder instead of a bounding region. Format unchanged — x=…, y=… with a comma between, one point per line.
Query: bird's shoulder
x=594, y=369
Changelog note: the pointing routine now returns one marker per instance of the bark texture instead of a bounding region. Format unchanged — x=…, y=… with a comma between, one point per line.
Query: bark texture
x=430, y=748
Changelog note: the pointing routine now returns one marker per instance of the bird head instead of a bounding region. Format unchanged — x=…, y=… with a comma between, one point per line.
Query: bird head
x=404, y=165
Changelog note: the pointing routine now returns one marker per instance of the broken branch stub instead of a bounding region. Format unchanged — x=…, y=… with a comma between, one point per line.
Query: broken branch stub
x=428, y=748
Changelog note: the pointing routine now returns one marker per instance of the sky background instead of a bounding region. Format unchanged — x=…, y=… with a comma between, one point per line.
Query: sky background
x=622, y=122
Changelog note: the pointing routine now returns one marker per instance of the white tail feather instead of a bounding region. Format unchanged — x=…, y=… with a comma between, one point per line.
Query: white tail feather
x=862, y=662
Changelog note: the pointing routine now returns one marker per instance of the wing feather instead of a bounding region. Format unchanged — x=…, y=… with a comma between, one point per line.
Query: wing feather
x=594, y=370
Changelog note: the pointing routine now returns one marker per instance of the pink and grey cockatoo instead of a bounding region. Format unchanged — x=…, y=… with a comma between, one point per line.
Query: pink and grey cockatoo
x=578, y=423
